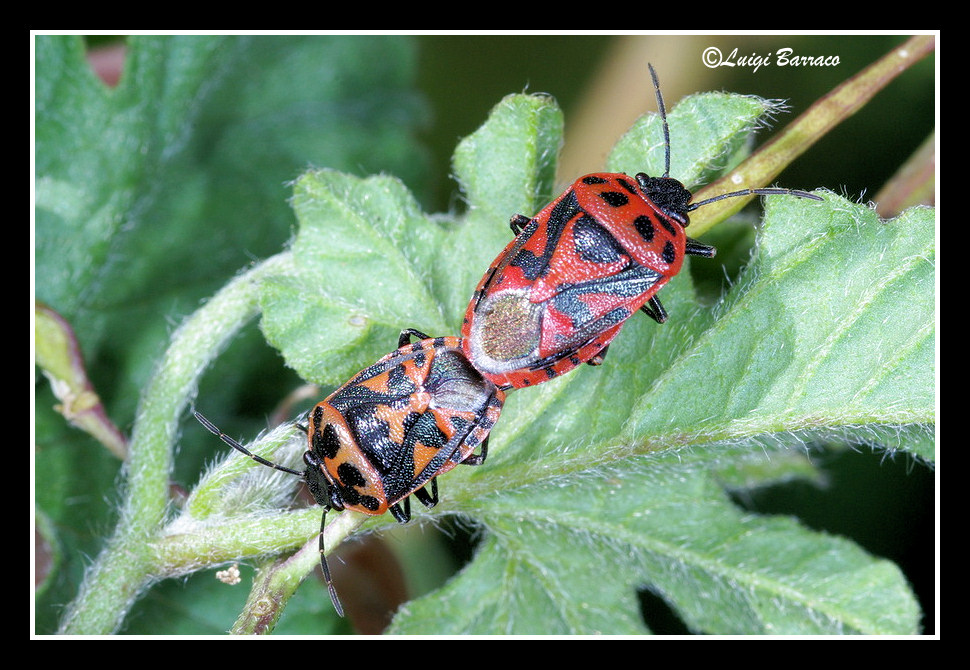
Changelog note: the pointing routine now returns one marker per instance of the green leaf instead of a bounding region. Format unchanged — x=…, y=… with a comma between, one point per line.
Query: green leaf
x=370, y=263
x=562, y=559
x=707, y=130
x=150, y=194
x=361, y=255
x=98, y=152
x=802, y=341
x=508, y=165
x=504, y=168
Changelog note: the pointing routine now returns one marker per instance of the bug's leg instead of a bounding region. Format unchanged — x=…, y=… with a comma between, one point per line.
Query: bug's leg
x=600, y=357
x=518, y=222
x=695, y=248
x=428, y=499
x=402, y=510
x=406, y=334
x=326, y=568
x=479, y=294
x=486, y=421
x=479, y=458
x=655, y=310
x=303, y=423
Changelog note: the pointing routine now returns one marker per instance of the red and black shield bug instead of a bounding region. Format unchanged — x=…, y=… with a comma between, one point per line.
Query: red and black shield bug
x=560, y=291
x=391, y=430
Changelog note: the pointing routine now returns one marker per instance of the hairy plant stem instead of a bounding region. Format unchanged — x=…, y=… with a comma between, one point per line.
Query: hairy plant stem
x=127, y=564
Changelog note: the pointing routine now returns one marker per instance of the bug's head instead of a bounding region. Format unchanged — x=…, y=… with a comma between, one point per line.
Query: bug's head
x=671, y=196
x=668, y=194
x=316, y=481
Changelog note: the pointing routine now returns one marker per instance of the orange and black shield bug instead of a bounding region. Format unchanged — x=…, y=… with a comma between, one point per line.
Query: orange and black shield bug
x=391, y=430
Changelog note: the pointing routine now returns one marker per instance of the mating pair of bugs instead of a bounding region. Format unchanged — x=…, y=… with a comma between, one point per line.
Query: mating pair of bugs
x=554, y=299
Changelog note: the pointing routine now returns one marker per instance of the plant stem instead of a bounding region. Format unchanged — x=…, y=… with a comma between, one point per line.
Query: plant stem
x=273, y=585
x=126, y=565
x=829, y=111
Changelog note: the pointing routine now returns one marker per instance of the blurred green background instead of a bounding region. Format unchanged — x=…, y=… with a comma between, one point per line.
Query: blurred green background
x=602, y=84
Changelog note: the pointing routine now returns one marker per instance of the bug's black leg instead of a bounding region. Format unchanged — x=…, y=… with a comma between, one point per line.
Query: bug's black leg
x=479, y=458
x=326, y=568
x=600, y=357
x=695, y=248
x=518, y=222
x=402, y=510
x=406, y=334
x=655, y=310
x=428, y=499
x=481, y=292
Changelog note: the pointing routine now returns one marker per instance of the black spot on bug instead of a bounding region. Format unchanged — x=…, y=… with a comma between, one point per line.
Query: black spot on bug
x=614, y=198
x=350, y=476
x=350, y=479
x=352, y=498
x=614, y=317
x=317, y=417
x=593, y=243
x=460, y=424
x=644, y=227
x=534, y=266
x=326, y=444
x=628, y=185
x=574, y=301
x=369, y=502
x=668, y=226
x=472, y=441
x=670, y=254
x=423, y=429
x=372, y=435
x=591, y=180
x=485, y=422
x=398, y=382
x=357, y=395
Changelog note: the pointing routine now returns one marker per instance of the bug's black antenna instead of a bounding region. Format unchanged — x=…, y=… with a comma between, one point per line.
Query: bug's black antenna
x=326, y=568
x=663, y=117
x=735, y=194
x=212, y=428
x=754, y=191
